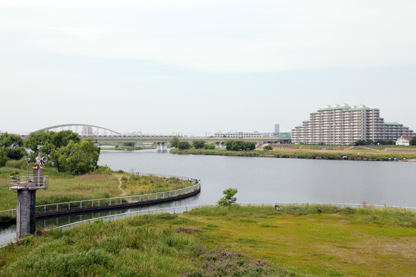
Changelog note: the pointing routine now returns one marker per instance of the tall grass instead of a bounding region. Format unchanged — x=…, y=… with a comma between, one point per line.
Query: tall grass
x=364, y=156
x=120, y=248
x=138, y=184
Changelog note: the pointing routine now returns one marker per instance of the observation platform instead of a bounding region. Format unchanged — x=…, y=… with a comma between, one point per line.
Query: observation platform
x=28, y=182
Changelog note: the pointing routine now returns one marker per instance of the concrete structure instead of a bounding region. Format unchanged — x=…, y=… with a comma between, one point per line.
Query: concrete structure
x=343, y=125
x=220, y=144
x=276, y=128
x=162, y=147
x=86, y=130
x=26, y=187
x=404, y=141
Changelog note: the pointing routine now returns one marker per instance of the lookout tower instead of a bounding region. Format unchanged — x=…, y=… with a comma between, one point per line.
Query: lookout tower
x=26, y=186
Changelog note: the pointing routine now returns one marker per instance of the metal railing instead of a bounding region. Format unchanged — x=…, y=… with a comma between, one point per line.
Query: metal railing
x=24, y=181
x=103, y=201
x=181, y=209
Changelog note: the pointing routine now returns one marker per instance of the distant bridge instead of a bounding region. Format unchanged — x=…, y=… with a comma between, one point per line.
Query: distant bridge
x=102, y=135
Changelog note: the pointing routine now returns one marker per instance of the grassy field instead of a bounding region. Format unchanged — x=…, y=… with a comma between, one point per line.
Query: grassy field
x=218, y=241
x=101, y=184
x=311, y=152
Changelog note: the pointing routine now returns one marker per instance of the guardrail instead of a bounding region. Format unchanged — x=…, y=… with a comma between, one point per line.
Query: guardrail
x=181, y=209
x=30, y=180
x=108, y=202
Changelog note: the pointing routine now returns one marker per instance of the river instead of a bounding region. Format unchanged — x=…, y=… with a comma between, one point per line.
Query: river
x=264, y=180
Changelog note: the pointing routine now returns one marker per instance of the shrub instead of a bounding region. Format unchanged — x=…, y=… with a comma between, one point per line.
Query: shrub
x=184, y=145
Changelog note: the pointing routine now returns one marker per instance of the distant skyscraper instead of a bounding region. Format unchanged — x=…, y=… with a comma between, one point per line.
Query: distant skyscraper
x=276, y=128
x=86, y=130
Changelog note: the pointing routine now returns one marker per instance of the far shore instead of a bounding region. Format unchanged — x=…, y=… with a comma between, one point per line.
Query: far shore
x=308, y=152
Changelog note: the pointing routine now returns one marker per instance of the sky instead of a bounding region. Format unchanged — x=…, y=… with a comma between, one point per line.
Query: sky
x=162, y=67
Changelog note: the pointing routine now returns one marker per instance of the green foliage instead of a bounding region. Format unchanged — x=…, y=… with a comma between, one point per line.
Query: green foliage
x=183, y=145
x=66, y=151
x=77, y=158
x=198, y=144
x=209, y=146
x=268, y=147
x=413, y=141
x=228, y=198
x=239, y=145
x=10, y=140
x=129, y=144
x=3, y=157
x=12, y=145
x=174, y=142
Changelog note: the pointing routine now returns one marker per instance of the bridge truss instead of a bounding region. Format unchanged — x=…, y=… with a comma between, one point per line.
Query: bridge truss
x=81, y=129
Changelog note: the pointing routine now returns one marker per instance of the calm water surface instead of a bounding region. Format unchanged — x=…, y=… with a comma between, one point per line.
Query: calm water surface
x=263, y=180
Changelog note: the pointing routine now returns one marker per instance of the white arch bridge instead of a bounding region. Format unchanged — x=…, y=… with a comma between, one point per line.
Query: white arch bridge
x=102, y=135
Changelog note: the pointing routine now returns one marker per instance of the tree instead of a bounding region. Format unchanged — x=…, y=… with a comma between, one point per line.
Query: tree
x=174, y=142
x=228, y=198
x=413, y=141
x=3, y=157
x=10, y=140
x=268, y=147
x=198, y=144
x=77, y=158
x=239, y=145
x=129, y=144
x=209, y=146
x=66, y=151
x=184, y=145
x=12, y=146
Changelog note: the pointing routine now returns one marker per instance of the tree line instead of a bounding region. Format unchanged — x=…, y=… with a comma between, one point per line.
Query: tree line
x=231, y=145
x=64, y=149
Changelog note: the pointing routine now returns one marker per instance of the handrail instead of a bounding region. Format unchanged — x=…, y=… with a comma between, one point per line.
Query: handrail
x=181, y=209
x=88, y=203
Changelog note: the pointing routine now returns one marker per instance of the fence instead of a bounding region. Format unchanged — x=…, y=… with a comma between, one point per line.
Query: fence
x=107, y=202
x=182, y=209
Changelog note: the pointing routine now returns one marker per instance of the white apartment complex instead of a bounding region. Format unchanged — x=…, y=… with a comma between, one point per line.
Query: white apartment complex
x=343, y=125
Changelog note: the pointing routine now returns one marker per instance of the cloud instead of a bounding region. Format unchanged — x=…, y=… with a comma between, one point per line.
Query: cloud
x=220, y=36
x=145, y=78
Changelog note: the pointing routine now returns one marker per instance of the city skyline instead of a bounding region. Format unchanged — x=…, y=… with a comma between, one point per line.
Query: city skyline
x=206, y=66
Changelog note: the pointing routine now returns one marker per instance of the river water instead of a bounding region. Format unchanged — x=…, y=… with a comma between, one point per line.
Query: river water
x=273, y=180
x=264, y=180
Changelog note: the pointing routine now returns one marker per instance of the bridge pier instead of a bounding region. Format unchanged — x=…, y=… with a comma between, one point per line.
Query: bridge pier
x=162, y=147
x=220, y=144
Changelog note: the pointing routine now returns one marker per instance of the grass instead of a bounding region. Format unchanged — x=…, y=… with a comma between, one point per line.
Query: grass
x=103, y=183
x=310, y=240
x=138, y=184
x=355, y=153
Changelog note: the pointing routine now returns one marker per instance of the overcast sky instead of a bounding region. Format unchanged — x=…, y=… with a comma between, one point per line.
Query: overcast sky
x=202, y=66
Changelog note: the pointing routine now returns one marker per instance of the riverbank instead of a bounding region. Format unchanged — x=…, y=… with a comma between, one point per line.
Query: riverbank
x=344, y=154
x=101, y=184
x=312, y=240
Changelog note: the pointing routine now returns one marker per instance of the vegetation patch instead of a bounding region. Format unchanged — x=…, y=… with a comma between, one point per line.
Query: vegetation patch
x=303, y=240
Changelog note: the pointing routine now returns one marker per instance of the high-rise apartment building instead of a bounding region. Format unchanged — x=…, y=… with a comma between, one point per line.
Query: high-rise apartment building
x=343, y=125
x=276, y=128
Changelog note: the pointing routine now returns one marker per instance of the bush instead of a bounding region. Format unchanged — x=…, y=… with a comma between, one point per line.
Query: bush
x=239, y=145
x=184, y=145
x=198, y=144
x=3, y=158
x=209, y=146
